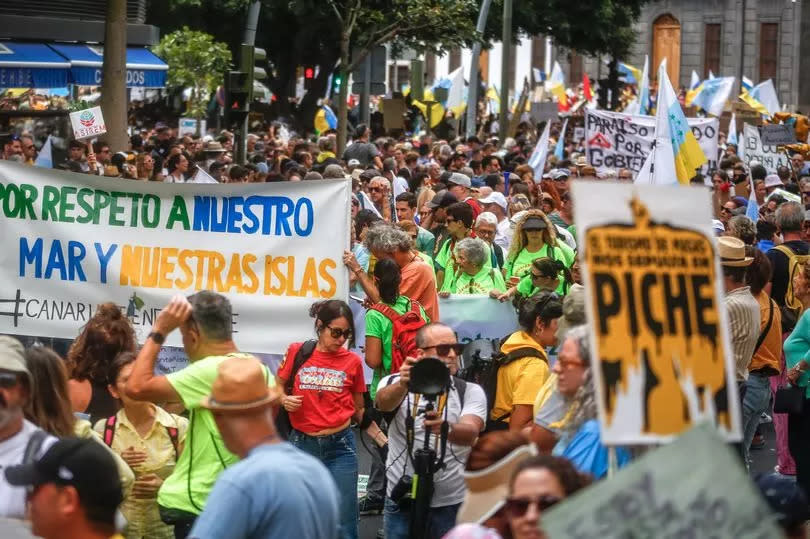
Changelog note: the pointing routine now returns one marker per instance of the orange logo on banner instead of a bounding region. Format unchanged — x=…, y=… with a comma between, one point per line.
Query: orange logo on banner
x=657, y=313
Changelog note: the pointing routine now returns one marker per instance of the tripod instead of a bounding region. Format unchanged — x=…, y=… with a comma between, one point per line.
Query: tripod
x=425, y=465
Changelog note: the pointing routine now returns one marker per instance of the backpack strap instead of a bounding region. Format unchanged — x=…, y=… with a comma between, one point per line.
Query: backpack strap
x=173, y=436
x=109, y=429
x=33, y=446
x=301, y=356
x=520, y=353
x=387, y=311
x=785, y=250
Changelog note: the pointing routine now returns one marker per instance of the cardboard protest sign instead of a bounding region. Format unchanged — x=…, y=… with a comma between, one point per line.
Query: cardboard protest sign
x=87, y=123
x=73, y=241
x=660, y=356
x=694, y=487
x=617, y=140
x=777, y=135
x=754, y=150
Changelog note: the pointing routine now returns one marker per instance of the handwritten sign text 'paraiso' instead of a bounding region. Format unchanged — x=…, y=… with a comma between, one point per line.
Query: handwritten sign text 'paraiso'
x=659, y=341
x=73, y=241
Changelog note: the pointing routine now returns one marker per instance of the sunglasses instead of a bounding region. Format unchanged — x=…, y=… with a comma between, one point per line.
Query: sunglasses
x=444, y=349
x=337, y=333
x=569, y=363
x=374, y=189
x=536, y=277
x=517, y=507
x=8, y=380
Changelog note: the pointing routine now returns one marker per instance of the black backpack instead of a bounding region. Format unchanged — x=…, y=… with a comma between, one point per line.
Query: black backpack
x=488, y=379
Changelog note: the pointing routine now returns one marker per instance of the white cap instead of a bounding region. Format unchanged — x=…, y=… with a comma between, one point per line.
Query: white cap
x=495, y=197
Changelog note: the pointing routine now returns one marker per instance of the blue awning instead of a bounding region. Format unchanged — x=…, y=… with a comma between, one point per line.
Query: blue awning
x=144, y=69
x=31, y=65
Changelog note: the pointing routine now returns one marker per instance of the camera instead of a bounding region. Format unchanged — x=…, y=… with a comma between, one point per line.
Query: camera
x=430, y=377
x=401, y=493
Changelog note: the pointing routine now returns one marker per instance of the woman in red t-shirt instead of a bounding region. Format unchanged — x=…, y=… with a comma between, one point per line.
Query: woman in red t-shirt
x=327, y=393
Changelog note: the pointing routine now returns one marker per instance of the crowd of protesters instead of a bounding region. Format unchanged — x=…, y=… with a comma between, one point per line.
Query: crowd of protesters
x=226, y=448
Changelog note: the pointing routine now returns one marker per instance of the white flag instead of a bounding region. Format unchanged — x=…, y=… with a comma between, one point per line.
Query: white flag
x=202, y=176
x=645, y=176
x=662, y=156
x=45, y=157
x=538, y=159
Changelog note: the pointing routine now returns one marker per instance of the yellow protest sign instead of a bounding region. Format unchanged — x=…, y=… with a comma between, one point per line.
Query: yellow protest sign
x=655, y=306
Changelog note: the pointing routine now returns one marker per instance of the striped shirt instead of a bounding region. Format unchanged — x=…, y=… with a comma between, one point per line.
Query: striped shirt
x=742, y=310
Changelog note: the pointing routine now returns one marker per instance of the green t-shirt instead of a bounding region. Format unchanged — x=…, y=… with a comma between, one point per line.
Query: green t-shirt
x=378, y=325
x=481, y=283
x=204, y=451
x=522, y=263
x=445, y=259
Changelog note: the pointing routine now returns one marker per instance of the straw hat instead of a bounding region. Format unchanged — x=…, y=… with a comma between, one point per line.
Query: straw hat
x=732, y=252
x=241, y=384
x=487, y=488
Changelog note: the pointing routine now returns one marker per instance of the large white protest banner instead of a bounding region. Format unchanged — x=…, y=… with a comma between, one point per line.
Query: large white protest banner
x=616, y=140
x=753, y=150
x=661, y=357
x=72, y=241
x=471, y=317
x=694, y=487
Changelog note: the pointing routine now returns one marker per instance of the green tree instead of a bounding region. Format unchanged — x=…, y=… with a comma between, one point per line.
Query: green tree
x=195, y=61
x=365, y=24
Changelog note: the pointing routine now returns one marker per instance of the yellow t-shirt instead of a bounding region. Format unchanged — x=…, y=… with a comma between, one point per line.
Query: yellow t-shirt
x=521, y=380
x=545, y=393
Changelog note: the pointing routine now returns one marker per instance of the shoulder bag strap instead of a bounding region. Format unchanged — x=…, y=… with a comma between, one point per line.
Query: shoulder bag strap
x=109, y=429
x=764, y=332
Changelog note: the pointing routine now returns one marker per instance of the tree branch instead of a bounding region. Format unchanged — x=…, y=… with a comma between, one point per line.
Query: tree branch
x=336, y=10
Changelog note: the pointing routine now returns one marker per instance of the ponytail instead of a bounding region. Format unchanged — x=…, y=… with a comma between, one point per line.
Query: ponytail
x=388, y=277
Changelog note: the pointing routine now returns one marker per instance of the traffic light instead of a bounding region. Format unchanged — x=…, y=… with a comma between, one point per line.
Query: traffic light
x=309, y=77
x=336, y=80
x=237, y=95
x=248, y=58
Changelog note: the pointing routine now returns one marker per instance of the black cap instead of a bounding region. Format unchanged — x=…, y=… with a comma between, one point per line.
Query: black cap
x=84, y=464
x=535, y=223
x=442, y=200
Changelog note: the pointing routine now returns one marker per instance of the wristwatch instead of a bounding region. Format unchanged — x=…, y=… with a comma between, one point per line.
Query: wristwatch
x=157, y=337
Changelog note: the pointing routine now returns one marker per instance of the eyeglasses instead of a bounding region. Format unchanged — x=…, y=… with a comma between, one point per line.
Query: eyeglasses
x=517, y=507
x=450, y=220
x=8, y=380
x=374, y=189
x=536, y=277
x=337, y=333
x=444, y=349
x=570, y=363
x=727, y=210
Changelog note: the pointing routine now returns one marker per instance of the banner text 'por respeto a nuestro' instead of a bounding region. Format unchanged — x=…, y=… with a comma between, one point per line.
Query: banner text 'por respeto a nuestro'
x=169, y=267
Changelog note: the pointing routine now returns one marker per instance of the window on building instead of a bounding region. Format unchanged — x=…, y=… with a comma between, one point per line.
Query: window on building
x=574, y=68
x=539, y=53
x=712, y=47
x=768, y=50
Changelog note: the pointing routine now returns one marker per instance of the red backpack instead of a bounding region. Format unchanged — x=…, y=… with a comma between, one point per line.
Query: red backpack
x=403, y=342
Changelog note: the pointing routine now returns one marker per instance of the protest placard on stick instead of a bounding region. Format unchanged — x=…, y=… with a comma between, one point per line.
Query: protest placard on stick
x=660, y=355
x=693, y=487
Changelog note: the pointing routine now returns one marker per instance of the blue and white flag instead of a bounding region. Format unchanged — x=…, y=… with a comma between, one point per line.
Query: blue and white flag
x=731, y=138
x=538, y=158
x=714, y=94
x=644, y=89
x=559, y=149
x=752, y=210
x=45, y=157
